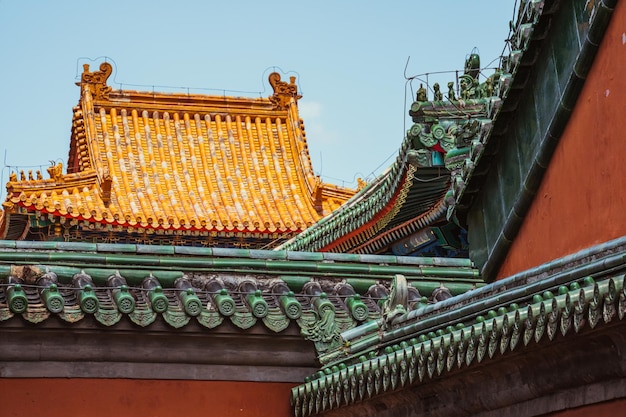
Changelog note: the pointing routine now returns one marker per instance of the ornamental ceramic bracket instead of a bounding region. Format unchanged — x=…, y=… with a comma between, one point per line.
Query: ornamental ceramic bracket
x=454, y=133
x=96, y=82
x=283, y=91
x=397, y=302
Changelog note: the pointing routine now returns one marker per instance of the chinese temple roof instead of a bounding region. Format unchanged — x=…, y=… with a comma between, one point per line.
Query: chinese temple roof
x=576, y=294
x=180, y=163
x=411, y=204
x=319, y=293
x=441, y=359
x=405, y=200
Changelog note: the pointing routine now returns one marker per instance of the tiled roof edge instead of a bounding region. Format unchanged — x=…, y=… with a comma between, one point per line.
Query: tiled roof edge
x=364, y=206
x=187, y=251
x=421, y=360
x=583, y=289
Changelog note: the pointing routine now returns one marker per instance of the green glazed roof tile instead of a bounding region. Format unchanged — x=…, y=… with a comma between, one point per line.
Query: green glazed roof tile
x=265, y=254
x=76, y=246
x=156, y=249
x=192, y=250
x=305, y=256
x=558, y=298
x=9, y=244
x=116, y=247
x=25, y=244
x=168, y=264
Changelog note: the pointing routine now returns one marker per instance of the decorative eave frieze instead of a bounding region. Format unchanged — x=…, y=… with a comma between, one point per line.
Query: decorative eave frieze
x=577, y=294
x=322, y=294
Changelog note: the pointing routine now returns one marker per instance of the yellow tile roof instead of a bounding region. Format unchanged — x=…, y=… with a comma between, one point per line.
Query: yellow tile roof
x=184, y=161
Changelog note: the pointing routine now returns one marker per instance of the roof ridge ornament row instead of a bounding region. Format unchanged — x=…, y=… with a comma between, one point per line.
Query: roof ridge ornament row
x=96, y=83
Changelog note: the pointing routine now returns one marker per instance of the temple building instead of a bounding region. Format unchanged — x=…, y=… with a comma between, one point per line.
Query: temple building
x=186, y=259
x=178, y=169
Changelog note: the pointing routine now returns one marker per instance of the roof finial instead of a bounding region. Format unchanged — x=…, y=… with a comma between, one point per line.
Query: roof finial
x=283, y=91
x=97, y=81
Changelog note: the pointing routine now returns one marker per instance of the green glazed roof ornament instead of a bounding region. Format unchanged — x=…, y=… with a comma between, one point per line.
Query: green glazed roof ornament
x=123, y=299
x=257, y=304
x=357, y=308
x=224, y=302
x=158, y=300
x=49, y=292
x=187, y=296
x=52, y=299
x=191, y=302
x=291, y=306
x=88, y=300
x=17, y=299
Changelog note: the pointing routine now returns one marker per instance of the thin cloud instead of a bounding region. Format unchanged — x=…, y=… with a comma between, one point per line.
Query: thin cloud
x=309, y=110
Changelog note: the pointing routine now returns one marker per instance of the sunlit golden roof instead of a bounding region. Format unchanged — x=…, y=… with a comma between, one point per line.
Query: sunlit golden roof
x=183, y=161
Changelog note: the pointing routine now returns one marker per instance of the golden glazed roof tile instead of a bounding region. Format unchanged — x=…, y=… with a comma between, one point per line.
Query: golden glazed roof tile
x=175, y=161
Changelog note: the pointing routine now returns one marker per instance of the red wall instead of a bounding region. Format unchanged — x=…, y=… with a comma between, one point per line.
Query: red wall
x=132, y=397
x=607, y=409
x=582, y=199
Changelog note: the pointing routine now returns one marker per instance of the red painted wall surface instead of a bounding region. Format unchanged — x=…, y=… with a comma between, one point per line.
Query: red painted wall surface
x=582, y=199
x=146, y=398
x=607, y=409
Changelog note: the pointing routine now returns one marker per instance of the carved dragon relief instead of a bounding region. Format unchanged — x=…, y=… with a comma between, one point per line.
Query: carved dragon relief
x=283, y=91
x=321, y=329
x=397, y=302
x=96, y=81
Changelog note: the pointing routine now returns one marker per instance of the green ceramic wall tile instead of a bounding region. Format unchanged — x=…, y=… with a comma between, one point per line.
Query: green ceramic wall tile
x=191, y=262
x=534, y=177
x=124, y=259
x=305, y=256
x=509, y=174
x=249, y=263
x=341, y=257
x=339, y=267
x=377, y=259
x=540, y=117
x=526, y=129
x=546, y=90
x=493, y=210
x=116, y=247
x=453, y=262
x=476, y=234
x=513, y=225
x=69, y=257
x=8, y=244
x=155, y=249
x=268, y=254
x=573, y=91
x=582, y=12
x=25, y=244
x=566, y=46
x=191, y=250
x=77, y=246
x=230, y=252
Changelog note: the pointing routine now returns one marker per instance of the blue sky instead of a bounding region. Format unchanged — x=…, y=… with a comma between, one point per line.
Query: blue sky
x=350, y=59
